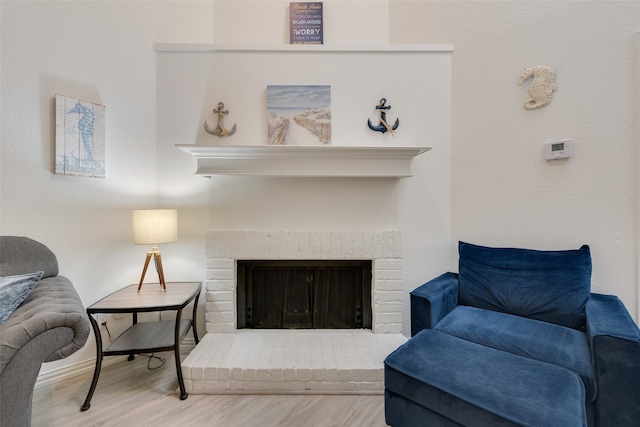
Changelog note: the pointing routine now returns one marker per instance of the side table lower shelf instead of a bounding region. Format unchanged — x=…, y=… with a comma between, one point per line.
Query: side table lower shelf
x=148, y=337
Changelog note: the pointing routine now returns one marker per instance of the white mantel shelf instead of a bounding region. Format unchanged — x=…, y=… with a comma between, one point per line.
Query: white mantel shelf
x=303, y=160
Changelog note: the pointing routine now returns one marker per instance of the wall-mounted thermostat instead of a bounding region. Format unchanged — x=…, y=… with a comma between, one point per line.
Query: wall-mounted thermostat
x=558, y=150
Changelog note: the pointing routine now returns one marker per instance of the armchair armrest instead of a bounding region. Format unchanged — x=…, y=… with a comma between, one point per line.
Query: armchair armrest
x=52, y=308
x=432, y=301
x=49, y=325
x=615, y=351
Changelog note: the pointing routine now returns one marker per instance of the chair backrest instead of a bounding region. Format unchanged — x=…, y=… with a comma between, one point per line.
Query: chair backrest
x=22, y=255
x=552, y=286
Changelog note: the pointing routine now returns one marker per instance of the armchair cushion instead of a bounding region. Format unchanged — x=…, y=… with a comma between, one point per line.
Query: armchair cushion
x=475, y=385
x=551, y=286
x=546, y=342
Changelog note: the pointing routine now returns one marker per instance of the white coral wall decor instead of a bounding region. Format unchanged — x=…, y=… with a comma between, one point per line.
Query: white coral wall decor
x=542, y=86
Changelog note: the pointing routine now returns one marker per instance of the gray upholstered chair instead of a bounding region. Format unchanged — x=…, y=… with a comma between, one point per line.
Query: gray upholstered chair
x=50, y=324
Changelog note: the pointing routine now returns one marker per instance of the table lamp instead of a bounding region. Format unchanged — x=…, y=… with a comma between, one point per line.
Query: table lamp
x=150, y=227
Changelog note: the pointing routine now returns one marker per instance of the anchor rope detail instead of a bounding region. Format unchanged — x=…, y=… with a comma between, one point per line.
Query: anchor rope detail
x=384, y=126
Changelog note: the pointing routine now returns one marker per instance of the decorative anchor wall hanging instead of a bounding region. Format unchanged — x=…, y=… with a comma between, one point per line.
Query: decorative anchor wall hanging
x=384, y=126
x=542, y=86
x=220, y=130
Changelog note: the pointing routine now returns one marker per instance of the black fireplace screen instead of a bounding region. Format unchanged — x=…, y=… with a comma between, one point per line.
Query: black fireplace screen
x=304, y=294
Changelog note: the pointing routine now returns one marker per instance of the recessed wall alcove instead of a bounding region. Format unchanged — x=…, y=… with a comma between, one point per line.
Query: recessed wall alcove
x=415, y=79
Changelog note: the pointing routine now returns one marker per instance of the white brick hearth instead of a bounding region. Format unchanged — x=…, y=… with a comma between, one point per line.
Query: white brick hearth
x=247, y=360
x=293, y=361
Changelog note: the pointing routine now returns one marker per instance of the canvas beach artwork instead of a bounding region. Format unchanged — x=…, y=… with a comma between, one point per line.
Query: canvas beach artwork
x=80, y=137
x=299, y=114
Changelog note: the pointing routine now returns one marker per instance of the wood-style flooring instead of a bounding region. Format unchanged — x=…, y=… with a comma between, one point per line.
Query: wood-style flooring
x=128, y=394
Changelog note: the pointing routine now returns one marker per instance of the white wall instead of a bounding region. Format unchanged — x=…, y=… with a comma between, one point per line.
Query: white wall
x=502, y=191
x=101, y=52
x=352, y=22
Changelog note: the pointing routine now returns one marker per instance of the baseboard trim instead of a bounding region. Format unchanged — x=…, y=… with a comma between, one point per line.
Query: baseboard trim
x=73, y=370
x=88, y=366
x=186, y=346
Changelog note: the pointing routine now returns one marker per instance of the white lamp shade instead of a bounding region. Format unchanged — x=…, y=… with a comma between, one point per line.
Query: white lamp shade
x=151, y=226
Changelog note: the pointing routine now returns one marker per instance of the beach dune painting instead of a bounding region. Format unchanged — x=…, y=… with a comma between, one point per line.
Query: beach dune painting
x=299, y=114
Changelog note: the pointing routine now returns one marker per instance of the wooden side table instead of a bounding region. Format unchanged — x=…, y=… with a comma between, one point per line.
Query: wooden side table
x=146, y=337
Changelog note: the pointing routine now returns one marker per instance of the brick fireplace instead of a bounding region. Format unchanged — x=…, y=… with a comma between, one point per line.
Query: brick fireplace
x=382, y=247
x=232, y=360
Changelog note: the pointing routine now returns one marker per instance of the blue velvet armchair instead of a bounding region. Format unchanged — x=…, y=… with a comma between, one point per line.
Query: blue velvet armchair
x=515, y=338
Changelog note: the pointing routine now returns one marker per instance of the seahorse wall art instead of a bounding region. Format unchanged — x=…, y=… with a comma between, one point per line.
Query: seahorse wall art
x=80, y=137
x=542, y=86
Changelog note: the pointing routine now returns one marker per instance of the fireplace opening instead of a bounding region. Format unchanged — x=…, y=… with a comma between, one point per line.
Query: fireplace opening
x=304, y=294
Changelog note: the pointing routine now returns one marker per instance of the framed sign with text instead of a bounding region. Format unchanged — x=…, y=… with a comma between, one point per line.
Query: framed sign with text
x=306, y=23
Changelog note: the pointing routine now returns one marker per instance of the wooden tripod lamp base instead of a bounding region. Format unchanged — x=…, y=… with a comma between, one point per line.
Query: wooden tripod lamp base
x=158, y=262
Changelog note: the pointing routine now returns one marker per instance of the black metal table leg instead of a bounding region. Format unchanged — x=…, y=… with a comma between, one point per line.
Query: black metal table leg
x=96, y=373
x=193, y=319
x=134, y=318
x=183, y=391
